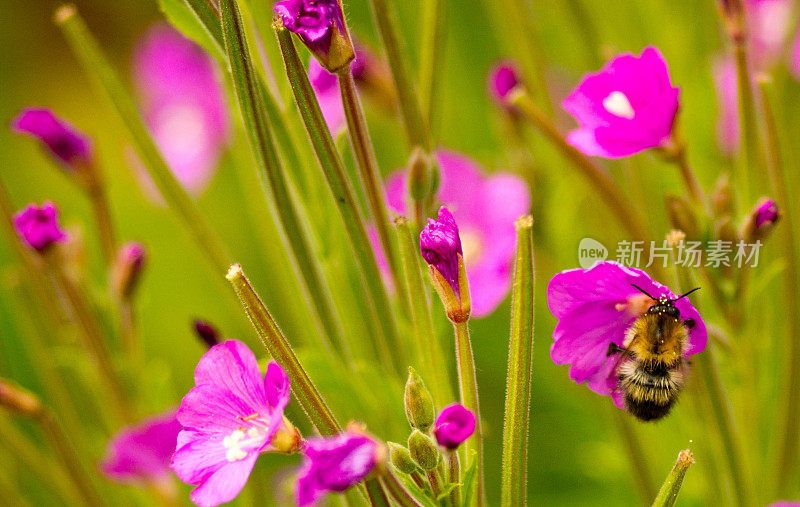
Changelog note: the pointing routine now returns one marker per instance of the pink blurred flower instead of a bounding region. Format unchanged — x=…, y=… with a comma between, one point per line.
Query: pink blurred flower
x=769, y=23
x=142, y=453
x=485, y=208
x=38, y=227
x=334, y=464
x=454, y=425
x=728, y=104
x=794, y=59
x=183, y=103
x=232, y=415
x=627, y=107
x=326, y=87
x=71, y=147
x=594, y=308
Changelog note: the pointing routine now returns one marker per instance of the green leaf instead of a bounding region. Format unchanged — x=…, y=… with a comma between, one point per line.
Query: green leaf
x=469, y=479
x=185, y=21
x=422, y=496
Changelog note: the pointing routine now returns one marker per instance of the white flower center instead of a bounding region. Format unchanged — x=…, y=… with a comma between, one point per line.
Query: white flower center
x=238, y=440
x=618, y=104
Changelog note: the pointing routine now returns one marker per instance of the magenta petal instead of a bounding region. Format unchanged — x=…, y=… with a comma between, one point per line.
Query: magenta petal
x=224, y=484
x=233, y=365
x=276, y=385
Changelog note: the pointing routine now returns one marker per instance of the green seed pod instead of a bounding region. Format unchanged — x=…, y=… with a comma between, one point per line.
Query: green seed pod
x=401, y=458
x=419, y=174
x=423, y=450
x=418, y=401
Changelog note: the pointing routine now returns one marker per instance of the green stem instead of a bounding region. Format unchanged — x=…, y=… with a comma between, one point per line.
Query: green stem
x=790, y=430
x=88, y=52
x=367, y=166
x=250, y=98
x=377, y=495
x=749, y=129
x=93, y=337
x=397, y=491
x=520, y=370
x=454, y=477
x=102, y=216
x=410, y=110
x=428, y=350
x=668, y=493
x=468, y=386
x=640, y=468
x=208, y=14
x=71, y=462
x=431, y=59
x=600, y=180
x=279, y=348
x=344, y=197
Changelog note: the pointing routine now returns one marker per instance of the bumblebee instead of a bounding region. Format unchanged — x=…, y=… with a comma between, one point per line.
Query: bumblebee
x=651, y=369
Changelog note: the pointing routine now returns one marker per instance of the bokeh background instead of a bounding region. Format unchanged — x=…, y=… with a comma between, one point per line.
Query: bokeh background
x=577, y=454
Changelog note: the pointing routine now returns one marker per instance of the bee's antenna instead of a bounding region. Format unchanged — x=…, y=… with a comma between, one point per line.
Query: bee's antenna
x=684, y=295
x=643, y=291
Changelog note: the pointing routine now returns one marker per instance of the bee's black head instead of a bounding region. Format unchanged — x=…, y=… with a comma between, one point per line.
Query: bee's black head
x=664, y=305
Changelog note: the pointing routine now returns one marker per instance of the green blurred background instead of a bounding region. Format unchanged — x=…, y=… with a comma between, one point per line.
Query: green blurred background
x=577, y=455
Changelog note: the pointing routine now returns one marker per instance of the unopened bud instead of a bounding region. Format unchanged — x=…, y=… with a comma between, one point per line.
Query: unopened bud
x=418, y=401
x=419, y=174
x=681, y=215
x=127, y=268
x=423, y=450
x=760, y=222
x=721, y=197
x=401, y=458
x=206, y=332
x=17, y=399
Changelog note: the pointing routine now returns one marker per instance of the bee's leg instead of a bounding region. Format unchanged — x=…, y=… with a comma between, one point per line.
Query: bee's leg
x=613, y=348
x=689, y=323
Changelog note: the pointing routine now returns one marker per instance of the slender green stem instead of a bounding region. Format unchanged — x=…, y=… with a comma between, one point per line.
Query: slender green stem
x=428, y=350
x=71, y=462
x=367, y=166
x=431, y=59
x=19, y=446
x=790, y=430
x=600, y=180
x=102, y=216
x=377, y=495
x=434, y=481
x=520, y=370
x=468, y=385
x=587, y=29
x=279, y=348
x=397, y=491
x=344, y=197
x=86, y=48
x=208, y=14
x=410, y=110
x=250, y=98
x=668, y=493
x=749, y=129
x=640, y=468
x=454, y=477
x=93, y=338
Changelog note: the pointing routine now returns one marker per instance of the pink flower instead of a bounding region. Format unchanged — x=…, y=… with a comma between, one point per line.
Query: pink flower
x=334, y=464
x=326, y=87
x=594, y=308
x=142, y=453
x=485, y=208
x=503, y=77
x=440, y=246
x=769, y=22
x=183, y=103
x=454, y=425
x=728, y=103
x=794, y=62
x=627, y=107
x=68, y=145
x=320, y=26
x=232, y=415
x=38, y=226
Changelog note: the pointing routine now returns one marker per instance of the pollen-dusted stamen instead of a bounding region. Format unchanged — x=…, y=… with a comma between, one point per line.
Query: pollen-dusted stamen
x=249, y=417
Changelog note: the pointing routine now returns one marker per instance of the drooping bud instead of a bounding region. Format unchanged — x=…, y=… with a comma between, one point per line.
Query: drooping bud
x=320, y=26
x=423, y=450
x=127, y=268
x=418, y=402
x=760, y=222
x=721, y=196
x=440, y=245
x=71, y=148
x=419, y=174
x=206, y=332
x=454, y=425
x=681, y=215
x=17, y=399
x=287, y=439
x=401, y=458
x=38, y=227
x=503, y=78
